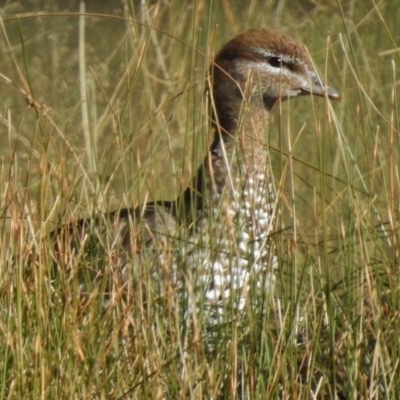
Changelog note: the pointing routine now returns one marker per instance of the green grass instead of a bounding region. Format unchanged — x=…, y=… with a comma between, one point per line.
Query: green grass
x=334, y=332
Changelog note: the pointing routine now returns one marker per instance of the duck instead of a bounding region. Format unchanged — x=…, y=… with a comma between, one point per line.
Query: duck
x=218, y=235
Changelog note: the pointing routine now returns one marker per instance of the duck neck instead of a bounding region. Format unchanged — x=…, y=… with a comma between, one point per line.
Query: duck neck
x=238, y=152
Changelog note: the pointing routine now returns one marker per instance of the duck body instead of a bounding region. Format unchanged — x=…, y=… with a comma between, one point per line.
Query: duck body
x=224, y=238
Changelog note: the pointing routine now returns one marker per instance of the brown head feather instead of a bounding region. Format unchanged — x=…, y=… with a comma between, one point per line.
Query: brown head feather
x=242, y=46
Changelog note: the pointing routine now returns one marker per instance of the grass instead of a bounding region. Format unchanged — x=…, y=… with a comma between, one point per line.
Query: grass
x=334, y=332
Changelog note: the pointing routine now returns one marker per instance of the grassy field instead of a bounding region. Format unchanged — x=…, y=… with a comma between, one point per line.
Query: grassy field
x=332, y=329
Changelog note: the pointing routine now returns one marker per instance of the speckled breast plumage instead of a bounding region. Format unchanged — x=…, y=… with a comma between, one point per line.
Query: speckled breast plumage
x=233, y=253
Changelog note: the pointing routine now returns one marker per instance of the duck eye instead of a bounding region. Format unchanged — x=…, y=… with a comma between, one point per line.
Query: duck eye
x=276, y=62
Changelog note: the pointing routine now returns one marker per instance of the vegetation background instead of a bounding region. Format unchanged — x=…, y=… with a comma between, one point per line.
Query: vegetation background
x=141, y=134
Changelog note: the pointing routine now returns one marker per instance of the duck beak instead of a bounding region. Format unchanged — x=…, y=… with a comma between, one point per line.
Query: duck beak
x=317, y=87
